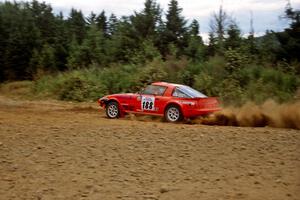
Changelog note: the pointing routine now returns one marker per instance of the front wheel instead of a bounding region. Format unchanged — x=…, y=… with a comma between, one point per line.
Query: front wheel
x=173, y=114
x=112, y=110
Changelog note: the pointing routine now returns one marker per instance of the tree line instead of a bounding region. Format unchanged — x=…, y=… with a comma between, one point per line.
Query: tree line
x=35, y=41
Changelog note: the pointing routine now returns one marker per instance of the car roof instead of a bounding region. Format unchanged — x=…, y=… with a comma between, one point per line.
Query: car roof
x=166, y=84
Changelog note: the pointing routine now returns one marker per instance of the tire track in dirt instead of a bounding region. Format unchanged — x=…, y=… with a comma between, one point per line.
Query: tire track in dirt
x=54, y=150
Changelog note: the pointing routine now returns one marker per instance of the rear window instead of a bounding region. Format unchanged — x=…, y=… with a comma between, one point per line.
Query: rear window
x=180, y=94
x=184, y=91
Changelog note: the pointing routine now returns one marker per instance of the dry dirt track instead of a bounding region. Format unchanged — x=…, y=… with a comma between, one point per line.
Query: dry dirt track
x=54, y=150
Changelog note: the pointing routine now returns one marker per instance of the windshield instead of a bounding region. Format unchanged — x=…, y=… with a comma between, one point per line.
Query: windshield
x=154, y=90
x=192, y=93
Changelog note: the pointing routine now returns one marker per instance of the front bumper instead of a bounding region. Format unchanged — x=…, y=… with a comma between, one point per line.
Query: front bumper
x=102, y=102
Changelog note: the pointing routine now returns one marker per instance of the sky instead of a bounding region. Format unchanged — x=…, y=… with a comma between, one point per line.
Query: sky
x=266, y=13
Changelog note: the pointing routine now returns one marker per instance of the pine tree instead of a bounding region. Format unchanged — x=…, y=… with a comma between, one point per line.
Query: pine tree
x=101, y=23
x=196, y=48
x=91, y=19
x=145, y=23
x=124, y=42
x=61, y=43
x=233, y=39
x=21, y=37
x=252, y=49
x=194, y=28
x=112, y=24
x=44, y=19
x=290, y=39
x=76, y=25
x=3, y=35
x=74, y=60
x=268, y=47
x=218, y=26
x=47, y=60
x=91, y=51
x=212, y=45
x=175, y=26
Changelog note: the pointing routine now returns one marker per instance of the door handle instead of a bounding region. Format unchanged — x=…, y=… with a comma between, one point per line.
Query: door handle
x=156, y=98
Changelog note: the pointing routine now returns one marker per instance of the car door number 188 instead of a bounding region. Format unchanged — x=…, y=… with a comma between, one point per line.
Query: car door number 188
x=147, y=103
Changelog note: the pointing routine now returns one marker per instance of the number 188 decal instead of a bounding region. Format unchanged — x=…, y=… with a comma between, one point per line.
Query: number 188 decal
x=147, y=103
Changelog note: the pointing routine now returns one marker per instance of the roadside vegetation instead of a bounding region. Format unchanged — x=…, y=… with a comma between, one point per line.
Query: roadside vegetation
x=79, y=58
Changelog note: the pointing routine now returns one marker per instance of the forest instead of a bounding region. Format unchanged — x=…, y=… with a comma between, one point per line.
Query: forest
x=81, y=58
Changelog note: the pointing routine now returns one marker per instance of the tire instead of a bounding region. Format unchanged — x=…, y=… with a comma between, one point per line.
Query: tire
x=173, y=114
x=112, y=110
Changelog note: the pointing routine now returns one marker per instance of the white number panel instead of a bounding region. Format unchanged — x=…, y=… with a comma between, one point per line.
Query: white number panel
x=147, y=103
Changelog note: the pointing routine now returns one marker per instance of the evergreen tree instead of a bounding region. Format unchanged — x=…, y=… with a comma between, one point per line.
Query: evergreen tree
x=194, y=28
x=212, y=45
x=145, y=23
x=250, y=42
x=124, y=42
x=218, y=26
x=268, y=47
x=44, y=20
x=290, y=38
x=176, y=31
x=101, y=23
x=3, y=35
x=91, y=19
x=21, y=36
x=74, y=59
x=233, y=39
x=91, y=51
x=196, y=48
x=77, y=25
x=112, y=24
x=61, y=44
x=47, y=60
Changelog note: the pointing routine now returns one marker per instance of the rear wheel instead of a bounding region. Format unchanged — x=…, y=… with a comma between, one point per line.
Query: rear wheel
x=173, y=114
x=112, y=110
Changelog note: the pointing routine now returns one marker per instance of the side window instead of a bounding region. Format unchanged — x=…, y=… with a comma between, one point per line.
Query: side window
x=178, y=93
x=154, y=90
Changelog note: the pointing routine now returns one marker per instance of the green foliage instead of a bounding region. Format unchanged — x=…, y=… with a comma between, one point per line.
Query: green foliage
x=43, y=62
x=92, y=50
x=195, y=49
x=290, y=39
x=261, y=83
x=207, y=84
x=153, y=72
x=268, y=47
x=110, y=55
x=175, y=31
x=101, y=23
x=147, y=52
x=74, y=86
x=234, y=60
x=255, y=83
x=76, y=25
x=234, y=39
x=145, y=23
x=218, y=26
x=79, y=89
x=119, y=78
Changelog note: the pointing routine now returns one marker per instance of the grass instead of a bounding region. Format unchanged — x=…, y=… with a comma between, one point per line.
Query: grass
x=17, y=89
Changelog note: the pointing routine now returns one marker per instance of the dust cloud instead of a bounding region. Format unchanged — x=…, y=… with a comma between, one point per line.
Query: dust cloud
x=269, y=113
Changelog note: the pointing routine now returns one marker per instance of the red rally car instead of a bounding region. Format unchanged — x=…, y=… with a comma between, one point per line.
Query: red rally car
x=173, y=101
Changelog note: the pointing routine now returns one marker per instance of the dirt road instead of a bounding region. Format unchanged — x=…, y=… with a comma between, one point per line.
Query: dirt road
x=55, y=150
